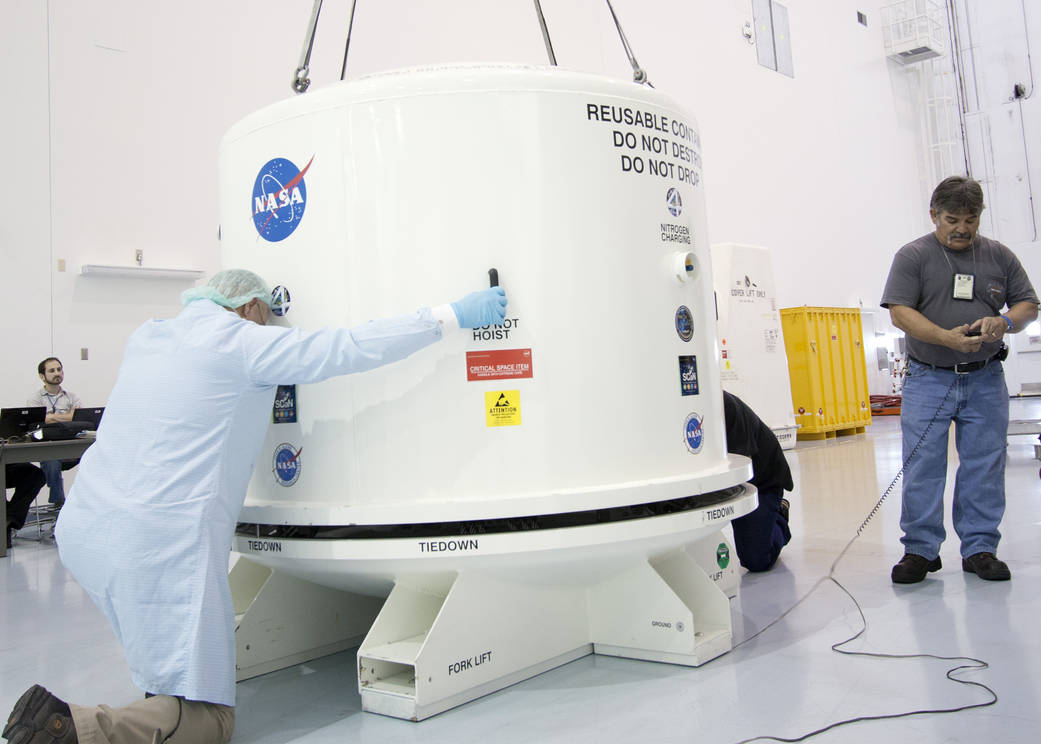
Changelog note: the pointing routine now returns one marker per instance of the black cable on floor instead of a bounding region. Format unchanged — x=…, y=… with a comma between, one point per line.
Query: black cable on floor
x=974, y=664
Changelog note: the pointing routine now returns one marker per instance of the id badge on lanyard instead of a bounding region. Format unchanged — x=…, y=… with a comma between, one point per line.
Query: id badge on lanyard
x=963, y=286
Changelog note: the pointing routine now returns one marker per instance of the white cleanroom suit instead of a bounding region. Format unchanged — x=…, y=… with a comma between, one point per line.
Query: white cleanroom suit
x=148, y=524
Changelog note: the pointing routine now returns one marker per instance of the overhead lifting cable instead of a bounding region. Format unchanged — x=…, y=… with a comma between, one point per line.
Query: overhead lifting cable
x=639, y=74
x=302, y=80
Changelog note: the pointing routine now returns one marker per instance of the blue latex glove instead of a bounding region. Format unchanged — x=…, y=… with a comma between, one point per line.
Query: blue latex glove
x=479, y=309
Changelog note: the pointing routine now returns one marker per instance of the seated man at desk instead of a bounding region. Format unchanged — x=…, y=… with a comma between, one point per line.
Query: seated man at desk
x=26, y=479
x=60, y=405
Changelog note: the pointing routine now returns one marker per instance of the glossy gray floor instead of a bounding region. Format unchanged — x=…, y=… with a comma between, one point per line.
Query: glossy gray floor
x=785, y=683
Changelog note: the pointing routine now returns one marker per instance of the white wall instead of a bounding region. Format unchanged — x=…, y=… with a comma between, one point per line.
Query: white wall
x=121, y=105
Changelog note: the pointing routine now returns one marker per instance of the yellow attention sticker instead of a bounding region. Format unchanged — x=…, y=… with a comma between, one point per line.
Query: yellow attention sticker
x=502, y=408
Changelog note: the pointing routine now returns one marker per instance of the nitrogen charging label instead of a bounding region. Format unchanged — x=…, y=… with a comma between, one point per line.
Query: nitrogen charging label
x=502, y=408
x=279, y=198
x=693, y=435
x=285, y=464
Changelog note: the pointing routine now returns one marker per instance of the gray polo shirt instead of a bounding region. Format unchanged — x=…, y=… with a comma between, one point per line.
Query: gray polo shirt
x=922, y=278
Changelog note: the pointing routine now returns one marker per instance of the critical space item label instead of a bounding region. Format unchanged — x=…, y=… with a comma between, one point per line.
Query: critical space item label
x=693, y=435
x=286, y=465
x=279, y=198
x=504, y=364
x=284, y=410
x=280, y=301
x=688, y=375
x=502, y=408
x=684, y=323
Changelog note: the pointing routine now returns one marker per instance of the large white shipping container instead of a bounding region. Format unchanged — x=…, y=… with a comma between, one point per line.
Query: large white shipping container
x=537, y=478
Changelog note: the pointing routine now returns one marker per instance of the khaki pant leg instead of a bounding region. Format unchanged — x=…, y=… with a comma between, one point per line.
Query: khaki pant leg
x=179, y=722
x=204, y=723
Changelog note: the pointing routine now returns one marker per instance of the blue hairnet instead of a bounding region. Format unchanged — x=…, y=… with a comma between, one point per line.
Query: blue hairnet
x=230, y=288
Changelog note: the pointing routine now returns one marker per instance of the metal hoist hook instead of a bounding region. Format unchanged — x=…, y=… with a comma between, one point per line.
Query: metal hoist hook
x=301, y=81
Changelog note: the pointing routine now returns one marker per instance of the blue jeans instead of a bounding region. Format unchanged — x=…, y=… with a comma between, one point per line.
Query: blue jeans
x=977, y=403
x=759, y=536
x=55, y=483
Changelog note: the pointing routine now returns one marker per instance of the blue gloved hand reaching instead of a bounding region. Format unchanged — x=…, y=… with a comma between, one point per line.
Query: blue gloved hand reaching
x=483, y=308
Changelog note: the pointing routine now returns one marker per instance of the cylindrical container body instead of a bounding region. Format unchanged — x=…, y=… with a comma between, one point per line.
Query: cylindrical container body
x=375, y=197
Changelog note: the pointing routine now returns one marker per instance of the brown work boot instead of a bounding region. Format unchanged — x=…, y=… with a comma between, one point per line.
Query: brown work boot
x=40, y=718
x=986, y=566
x=913, y=568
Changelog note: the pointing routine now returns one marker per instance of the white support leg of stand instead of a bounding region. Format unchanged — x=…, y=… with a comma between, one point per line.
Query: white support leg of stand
x=438, y=644
x=281, y=620
x=667, y=609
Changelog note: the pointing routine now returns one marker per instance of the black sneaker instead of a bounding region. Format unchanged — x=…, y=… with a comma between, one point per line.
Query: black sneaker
x=986, y=566
x=784, y=509
x=38, y=716
x=912, y=568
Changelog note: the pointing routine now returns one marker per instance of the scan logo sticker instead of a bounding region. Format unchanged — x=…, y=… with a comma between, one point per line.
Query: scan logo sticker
x=688, y=375
x=684, y=323
x=722, y=555
x=280, y=301
x=286, y=464
x=284, y=410
x=674, y=202
x=693, y=436
x=279, y=198
x=502, y=408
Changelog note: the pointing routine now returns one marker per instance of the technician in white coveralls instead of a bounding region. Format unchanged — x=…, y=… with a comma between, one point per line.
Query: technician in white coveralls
x=148, y=525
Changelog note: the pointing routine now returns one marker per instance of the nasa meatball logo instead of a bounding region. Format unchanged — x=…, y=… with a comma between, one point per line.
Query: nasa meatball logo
x=286, y=464
x=674, y=202
x=693, y=436
x=280, y=301
x=279, y=198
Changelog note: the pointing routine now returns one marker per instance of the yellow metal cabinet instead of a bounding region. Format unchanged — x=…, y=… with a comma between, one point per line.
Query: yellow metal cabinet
x=828, y=373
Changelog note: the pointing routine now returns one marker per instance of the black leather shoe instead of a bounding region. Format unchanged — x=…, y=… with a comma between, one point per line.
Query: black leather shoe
x=986, y=566
x=912, y=568
x=38, y=716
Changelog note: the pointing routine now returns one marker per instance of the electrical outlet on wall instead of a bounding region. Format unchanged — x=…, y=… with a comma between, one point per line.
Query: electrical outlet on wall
x=139, y=256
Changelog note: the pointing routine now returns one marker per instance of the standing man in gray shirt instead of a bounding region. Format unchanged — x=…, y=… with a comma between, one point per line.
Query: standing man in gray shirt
x=946, y=292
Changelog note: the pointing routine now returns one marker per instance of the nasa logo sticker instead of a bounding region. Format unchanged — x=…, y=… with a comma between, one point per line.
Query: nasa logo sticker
x=279, y=198
x=693, y=436
x=286, y=464
x=684, y=323
x=280, y=300
x=674, y=202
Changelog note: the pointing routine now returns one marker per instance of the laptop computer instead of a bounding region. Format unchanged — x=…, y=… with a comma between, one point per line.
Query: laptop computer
x=90, y=416
x=16, y=422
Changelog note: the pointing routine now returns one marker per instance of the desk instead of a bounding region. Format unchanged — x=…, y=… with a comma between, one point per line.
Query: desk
x=65, y=449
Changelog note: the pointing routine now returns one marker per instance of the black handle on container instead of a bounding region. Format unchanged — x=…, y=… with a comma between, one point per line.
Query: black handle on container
x=493, y=277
